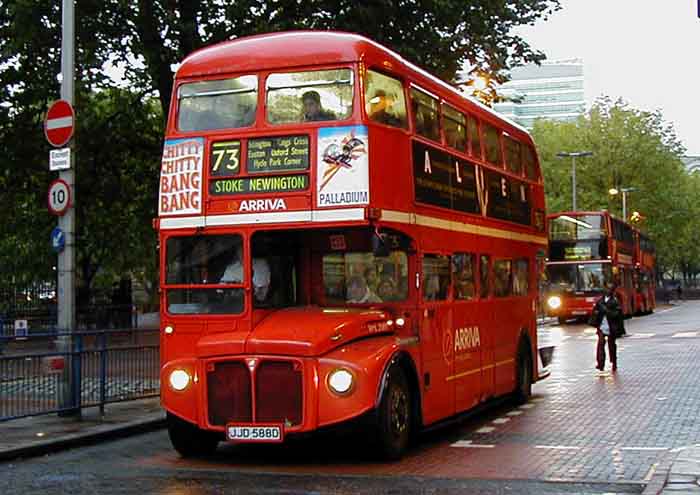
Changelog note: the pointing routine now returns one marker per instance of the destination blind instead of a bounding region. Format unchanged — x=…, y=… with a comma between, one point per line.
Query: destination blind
x=248, y=185
x=278, y=154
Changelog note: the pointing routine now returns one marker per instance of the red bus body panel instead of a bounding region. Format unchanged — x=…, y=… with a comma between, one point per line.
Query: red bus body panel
x=245, y=353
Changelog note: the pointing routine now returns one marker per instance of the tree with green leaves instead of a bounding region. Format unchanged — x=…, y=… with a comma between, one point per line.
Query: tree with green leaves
x=631, y=149
x=125, y=56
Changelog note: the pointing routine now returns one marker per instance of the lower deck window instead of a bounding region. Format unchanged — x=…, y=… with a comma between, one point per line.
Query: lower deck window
x=362, y=278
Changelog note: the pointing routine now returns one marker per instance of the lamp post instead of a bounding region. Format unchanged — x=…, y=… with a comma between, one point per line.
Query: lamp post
x=573, y=155
x=624, y=190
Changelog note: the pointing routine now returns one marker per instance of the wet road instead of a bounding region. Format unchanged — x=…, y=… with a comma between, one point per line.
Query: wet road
x=582, y=432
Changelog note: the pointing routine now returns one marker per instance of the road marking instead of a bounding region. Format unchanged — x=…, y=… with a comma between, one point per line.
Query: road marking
x=514, y=413
x=589, y=331
x=666, y=310
x=527, y=406
x=500, y=421
x=683, y=335
x=557, y=447
x=651, y=471
x=650, y=449
x=467, y=444
x=485, y=429
x=641, y=335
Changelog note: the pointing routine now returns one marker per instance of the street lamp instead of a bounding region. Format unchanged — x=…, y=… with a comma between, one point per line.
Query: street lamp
x=573, y=155
x=624, y=190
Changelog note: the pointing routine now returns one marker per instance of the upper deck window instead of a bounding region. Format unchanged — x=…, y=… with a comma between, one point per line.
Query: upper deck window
x=384, y=100
x=513, y=162
x=455, y=128
x=474, y=137
x=426, y=116
x=585, y=227
x=493, y=145
x=220, y=104
x=529, y=162
x=309, y=96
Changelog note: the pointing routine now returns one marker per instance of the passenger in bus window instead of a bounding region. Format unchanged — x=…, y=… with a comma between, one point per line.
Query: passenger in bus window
x=313, y=111
x=386, y=290
x=379, y=106
x=359, y=292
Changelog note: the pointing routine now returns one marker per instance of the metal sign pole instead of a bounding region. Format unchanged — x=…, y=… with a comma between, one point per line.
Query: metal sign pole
x=66, y=258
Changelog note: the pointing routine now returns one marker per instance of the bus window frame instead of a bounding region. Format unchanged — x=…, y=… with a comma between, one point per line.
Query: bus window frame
x=355, y=114
x=406, y=98
x=174, y=116
x=441, y=137
x=244, y=285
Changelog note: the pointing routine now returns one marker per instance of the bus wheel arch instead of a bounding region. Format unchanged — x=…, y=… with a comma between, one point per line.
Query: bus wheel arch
x=523, y=369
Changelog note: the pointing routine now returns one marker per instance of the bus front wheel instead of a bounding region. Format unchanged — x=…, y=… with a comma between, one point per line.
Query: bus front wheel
x=524, y=374
x=394, y=416
x=188, y=440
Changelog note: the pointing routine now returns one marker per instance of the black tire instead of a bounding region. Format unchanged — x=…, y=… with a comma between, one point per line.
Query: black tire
x=523, y=380
x=394, y=416
x=190, y=441
x=561, y=320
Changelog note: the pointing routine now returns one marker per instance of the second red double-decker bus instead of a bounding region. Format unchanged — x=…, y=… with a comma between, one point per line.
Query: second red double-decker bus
x=587, y=250
x=343, y=236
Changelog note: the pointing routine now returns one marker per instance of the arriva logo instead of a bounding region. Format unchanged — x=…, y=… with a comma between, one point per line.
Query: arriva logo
x=466, y=339
x=262, y=205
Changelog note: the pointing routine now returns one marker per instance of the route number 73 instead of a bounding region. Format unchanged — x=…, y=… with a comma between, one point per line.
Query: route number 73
x=225, y=158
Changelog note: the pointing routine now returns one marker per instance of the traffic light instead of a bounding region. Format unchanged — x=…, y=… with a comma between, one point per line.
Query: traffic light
x=636, y=217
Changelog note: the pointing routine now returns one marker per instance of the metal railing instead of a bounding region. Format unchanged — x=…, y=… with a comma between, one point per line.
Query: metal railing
x=62, y=373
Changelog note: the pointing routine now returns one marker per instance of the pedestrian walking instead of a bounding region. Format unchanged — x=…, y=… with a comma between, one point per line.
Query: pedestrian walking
x=608, y=320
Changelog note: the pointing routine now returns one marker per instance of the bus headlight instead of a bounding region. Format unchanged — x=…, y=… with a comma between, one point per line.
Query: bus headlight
x=554, y=302
x=179, y=380
x=340, y=381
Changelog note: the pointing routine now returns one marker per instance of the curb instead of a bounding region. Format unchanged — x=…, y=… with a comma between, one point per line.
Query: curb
x=102, y=433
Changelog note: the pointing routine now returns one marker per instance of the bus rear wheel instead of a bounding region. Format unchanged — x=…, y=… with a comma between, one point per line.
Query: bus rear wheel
x=523, y=381
x=190, y=441
x=394, y=416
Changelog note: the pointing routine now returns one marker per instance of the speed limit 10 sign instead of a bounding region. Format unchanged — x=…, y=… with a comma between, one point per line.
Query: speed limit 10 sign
x=59, y=197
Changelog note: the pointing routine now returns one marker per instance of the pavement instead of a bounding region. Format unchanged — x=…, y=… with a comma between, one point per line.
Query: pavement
x=41, y=435
x=678, y=472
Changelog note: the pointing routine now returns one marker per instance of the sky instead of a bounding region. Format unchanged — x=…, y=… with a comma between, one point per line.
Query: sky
x=645, y=51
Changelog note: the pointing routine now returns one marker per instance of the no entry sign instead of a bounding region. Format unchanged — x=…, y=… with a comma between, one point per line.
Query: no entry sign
x=59, y=123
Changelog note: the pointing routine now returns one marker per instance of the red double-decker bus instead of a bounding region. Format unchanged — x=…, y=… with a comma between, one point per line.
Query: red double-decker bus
x=586, y=251
x=645, y=273
x=343, y=238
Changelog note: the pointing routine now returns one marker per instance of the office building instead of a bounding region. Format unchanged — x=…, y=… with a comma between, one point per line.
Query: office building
x=553, y=90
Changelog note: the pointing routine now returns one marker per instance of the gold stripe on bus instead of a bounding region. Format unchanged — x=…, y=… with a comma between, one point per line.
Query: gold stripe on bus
x=478, y=370
x=507, y=361
x=463, y=374
x=427, y=221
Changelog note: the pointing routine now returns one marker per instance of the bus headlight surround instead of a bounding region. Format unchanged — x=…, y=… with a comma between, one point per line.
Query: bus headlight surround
x=179, y=380
x=341, y=381
x=554, y=302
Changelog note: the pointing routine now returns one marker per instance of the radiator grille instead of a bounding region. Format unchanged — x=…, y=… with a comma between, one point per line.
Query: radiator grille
x=228, y=393
x=278, y=392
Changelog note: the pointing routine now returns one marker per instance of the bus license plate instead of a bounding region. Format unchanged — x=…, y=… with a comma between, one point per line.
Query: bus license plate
x=255, y=433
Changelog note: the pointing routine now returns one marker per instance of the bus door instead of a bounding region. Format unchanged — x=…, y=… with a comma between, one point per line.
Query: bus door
x=467, y=332
x=487, y=338
x=437, y=346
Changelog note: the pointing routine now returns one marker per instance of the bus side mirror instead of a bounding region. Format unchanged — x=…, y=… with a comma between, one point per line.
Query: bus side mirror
x=380, y=249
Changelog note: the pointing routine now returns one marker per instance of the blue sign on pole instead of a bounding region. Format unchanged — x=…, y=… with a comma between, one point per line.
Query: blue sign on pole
x=58, y=239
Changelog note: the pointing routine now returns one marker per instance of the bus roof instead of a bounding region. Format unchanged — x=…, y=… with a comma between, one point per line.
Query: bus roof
x=303, y=48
